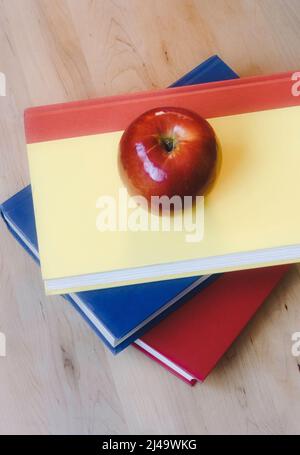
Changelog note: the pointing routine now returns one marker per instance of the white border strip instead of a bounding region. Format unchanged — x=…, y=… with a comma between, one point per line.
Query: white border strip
x=165, y=360
x=199, y=266
x=21, y=235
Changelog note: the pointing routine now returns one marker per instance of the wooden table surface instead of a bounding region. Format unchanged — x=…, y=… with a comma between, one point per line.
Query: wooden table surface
x=57, y=377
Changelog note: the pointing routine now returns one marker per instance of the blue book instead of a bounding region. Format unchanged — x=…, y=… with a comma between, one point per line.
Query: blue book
x=119, y=315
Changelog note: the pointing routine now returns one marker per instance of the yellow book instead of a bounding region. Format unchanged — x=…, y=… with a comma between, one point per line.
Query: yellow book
x=251, y=216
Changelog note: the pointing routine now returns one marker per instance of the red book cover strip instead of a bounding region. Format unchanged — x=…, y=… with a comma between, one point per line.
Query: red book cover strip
x=116, y=112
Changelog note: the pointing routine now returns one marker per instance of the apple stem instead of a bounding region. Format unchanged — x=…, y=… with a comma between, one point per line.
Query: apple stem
x=168, y=143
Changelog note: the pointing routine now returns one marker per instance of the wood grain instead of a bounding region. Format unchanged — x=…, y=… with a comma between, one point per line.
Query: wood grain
x=57, y=377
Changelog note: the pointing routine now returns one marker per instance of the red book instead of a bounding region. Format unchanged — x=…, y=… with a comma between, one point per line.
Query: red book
x=191, y=340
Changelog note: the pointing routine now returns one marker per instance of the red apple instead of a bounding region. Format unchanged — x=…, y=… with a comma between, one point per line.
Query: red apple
x=169, y=151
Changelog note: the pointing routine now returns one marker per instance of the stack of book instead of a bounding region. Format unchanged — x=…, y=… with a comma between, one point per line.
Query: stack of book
x=180, y=303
